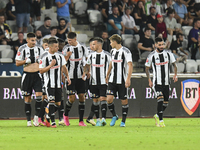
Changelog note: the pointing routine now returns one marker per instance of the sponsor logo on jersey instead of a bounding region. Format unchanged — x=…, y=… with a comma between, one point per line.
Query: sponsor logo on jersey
x=96, y=65
x=55, y=67
x=79, y=59
x=162, y=63
x=18, y=53
x=190, y=95
x=117, y=61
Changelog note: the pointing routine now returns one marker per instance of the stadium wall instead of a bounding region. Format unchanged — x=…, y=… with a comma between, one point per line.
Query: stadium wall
x=184, y=98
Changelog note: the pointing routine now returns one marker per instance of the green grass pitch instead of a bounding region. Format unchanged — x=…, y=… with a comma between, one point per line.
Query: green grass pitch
x=139, y=134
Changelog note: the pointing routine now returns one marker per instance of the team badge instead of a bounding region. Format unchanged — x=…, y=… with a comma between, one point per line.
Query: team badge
x=40, y=61
x=190, y=95
x=147, y=60
x=18, y=53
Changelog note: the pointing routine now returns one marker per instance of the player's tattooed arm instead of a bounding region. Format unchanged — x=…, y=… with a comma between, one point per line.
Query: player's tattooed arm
x=148, y=76
x=175, y=78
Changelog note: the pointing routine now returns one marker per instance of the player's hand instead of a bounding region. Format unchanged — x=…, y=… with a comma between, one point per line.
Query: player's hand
x=107, y=80
x=68, y=81
x=53, y=62
x=83, y=76
x=127, y=83
x=150, y=83
x=28, y=60
x=88, y=75
x=175, y=78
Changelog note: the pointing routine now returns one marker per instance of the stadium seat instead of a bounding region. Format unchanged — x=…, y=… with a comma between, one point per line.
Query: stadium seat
x=12, y=25
x=180, y=67
x=82, y=38
x=126, y=36
x=153, y=36
x=186, y=30
x=137, y=37
x=37, y=24
x=30, y=28
x=138, y=27
x=75, y=1
x=80, y=8
x=95, y=17
x=47, y=11
x=198, y=64
x=14, y=36
x=191, y=66
x=7, y=55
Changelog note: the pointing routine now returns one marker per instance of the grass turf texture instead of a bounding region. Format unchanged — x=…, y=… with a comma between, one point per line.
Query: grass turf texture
x=179, y=133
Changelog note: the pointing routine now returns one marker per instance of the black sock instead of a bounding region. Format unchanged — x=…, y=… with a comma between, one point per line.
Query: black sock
x=165, y=106
x=103, y=109
x=28, y=111
x=160, y=108
x=91, y=112
x=81, y=109
x=111, y=107
x=42, y=109
x=124, y=112
x=38, y=103
x=52, y=112
x=96, y=109
x=68, y=107
x=61, y=110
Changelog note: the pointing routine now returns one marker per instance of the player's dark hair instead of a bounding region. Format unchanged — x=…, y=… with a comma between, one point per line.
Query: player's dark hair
x=71, y=35
x=158, y=39
x=90, y=40
x=178, y=35
x=31, y=35
x=45, y=40
x=117, y=38
x=98, y=39
x=52, y=40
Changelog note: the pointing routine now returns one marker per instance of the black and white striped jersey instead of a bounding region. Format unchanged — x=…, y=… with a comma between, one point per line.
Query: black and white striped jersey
x=160, y=63
x=120, y=59
x=76, y=60
x=89, y=50
x=52, y=78
x=99, y=63
x=25, y=52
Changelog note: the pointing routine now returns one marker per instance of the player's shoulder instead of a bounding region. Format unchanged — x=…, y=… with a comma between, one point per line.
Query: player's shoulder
x=151, y=54
x=22, y=47
x=44, y=54
x=126, y=49
x=107, y=53
x=59, y=53
x=167, y=51
x=66, y=47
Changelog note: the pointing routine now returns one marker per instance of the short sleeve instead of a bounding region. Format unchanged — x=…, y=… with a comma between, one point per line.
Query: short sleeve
x=65, y=50
x=148, y=61
x=20, y=55
x=172, y=58
x=128, y=56
x=63, y=60
x=42, y=62
x=89, y=60
x=86, y=51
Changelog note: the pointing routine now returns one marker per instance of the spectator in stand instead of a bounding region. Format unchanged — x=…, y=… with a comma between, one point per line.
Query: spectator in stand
x=177, y=49
x=2, y=7
x=195, y=13
x=129, y=22
x=122, y=4
x=53, y=31
x=115, y=24
x=193, y=37
x=181, y=13
x=38, y=35
x=106, y=42
x=161, y=27
x=61, y=44
x=35, y=10
x=20, y=41
x=151, y=20
x=63, y=10
x=95, y=4
x=146, y=43
x=10, y=10
x=153, y=3
x=45, y=44
x=197, y=49
x=48, y=3
x=167, y=5
x=107, y=9
x=62, y=29
x=5, y=32
x=171, y=24
x=45, y=28
x=23, y=9
x=139, y=14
